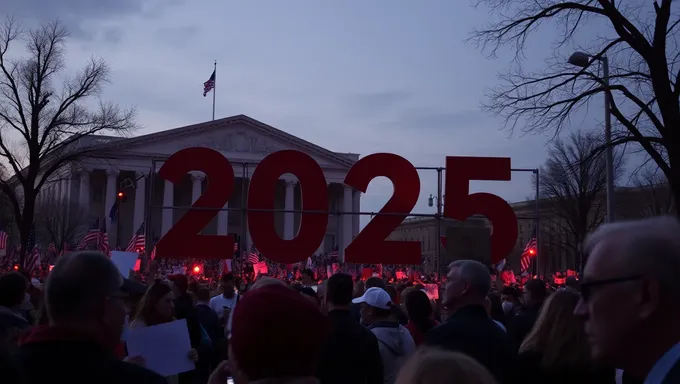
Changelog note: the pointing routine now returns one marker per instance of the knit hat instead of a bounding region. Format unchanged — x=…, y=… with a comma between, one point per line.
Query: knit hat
x=276, y=332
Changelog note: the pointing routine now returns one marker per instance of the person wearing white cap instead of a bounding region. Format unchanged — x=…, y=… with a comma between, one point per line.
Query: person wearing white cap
x=395, y=342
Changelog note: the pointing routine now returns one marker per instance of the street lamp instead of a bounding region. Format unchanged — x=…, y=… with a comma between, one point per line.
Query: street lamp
x=583, y=60
x=432, y=199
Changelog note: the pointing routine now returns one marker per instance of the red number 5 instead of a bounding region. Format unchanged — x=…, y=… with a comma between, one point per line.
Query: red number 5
x=460, y=204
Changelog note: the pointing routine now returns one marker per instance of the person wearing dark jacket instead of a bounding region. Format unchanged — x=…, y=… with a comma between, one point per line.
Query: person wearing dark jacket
x=469, y=329
x=12, y=293
x=520, y=325
x=351, y=353
x=185, y=309
x=85, y=303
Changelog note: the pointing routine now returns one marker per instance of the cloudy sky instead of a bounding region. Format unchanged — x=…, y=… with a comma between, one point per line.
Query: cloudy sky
x=352, y=76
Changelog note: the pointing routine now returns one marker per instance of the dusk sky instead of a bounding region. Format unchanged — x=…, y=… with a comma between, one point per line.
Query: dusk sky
x=351, y=76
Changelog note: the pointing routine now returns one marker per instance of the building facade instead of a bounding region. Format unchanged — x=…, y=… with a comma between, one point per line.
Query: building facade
x=129, y=166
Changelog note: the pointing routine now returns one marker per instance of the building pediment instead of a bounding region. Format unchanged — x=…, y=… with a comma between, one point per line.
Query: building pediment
x=238, y=137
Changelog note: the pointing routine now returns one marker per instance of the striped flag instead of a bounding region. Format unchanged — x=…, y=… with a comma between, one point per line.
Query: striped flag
x=152, y=256
x=103, y=241
x=138, y=240
x=32, y=259
x=91, y=235
x=528, y=253
x=209, y=85
x=51, y=248
x=253, y=257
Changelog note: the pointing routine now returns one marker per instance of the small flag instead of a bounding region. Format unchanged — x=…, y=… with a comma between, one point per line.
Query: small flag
x=138, y=241
x=103, y=241
x=91, y=235
x=32, y=259
x=528, y=253
x=209, y=85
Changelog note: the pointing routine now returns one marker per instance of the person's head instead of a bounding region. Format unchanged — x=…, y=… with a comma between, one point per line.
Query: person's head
x=359, y=289
x=308, y=277
x=572, y=282
x=180, y=284
x=376, y=305
x=86, y=288
x=156, y=307
x=203, y=295
x=630, y=291
x=227, y=281
x=339, y=291
x=468, y=282
x=259, y=350
x=436, y=366
x=375, y=281
x=534, y=293
x=404, y=295
x=494, y=307
x=509, y=299
x=558, y=335
x=13, y=288
x=419, y=309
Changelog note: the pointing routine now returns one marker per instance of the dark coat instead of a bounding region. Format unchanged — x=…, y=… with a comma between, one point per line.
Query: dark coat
x=532, y=362
x=470, y=331
x=351, y=353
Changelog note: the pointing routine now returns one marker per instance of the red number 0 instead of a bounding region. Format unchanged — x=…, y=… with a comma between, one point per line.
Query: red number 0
x=183, y=240
x=370, y=245
x=261, y=195
x=460, y=204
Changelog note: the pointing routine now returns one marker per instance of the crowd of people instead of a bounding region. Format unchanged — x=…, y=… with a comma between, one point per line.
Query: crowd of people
x=619, y=324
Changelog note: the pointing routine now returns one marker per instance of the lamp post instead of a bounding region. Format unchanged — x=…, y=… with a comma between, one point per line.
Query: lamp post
x=583, y=60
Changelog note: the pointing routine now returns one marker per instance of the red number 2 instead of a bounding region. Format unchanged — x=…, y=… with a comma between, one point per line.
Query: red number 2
x=183, y=240
x=370, y=245
x=460, y=204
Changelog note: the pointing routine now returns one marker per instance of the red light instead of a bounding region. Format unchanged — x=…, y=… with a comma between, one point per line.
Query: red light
x=16, y=267
x=532, y=251
x=51, y=266
x=197, y=269
x=120, y=194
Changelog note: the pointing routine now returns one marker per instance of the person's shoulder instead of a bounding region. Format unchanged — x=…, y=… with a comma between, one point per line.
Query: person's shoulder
x=133, y=373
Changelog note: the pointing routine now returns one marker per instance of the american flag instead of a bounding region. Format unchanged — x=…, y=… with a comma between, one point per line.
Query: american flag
x=209, y=85
x=253, y=255
x=3, y=239
x=153, y=252
x=138, y=240
x=103, y=241
x=91, y=235
x=528, y=253
x=32, y=258
x=334, y=253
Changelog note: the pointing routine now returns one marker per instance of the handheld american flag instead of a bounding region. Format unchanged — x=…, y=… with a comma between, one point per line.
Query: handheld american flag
x=529, y=252
x=91, y=235
x=32, y=259
x=138, y=240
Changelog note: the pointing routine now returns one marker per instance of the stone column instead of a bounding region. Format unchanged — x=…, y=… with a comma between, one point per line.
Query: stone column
x=84, y=193
x=140, y=200
x=346, y=220
x=168, y=207
x=356, y=207
x=223, y=221
x=289, y=205
x=196, y=186
x=111, y=191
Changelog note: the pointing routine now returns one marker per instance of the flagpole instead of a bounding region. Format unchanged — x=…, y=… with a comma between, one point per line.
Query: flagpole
x=214, y=89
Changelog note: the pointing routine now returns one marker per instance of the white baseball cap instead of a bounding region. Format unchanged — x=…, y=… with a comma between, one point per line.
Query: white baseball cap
x=375, y=297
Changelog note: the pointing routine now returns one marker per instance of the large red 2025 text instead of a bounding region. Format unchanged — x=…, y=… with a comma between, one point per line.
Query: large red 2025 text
x=369, y=246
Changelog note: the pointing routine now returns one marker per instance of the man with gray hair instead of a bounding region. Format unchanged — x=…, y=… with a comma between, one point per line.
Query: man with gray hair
x=631, y=297
x=468, y=328
x=85, y=301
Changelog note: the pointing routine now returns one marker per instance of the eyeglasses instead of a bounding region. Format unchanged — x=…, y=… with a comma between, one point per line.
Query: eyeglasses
x=587, y=286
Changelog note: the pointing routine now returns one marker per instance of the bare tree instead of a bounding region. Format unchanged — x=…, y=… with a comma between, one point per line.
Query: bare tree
x=644, y=81
x=43, y=124
x=653, y=192
x=59, y=223
x=572, y=184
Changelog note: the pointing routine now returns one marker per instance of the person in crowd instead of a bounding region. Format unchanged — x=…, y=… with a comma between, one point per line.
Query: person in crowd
x=556, y=349
x=308, y=279
x=184, y=309
x=156, y=307
x=420, y=315
x=310, y=294
x=225, y=302
x=260, y=352
x=510, y=301
x=398, y=314
x=85, y=303
x=571, y=282
x=371, y=282
x=488, y=305
x=351, y=353
x=468, y=328
x=436, y=366
x=214, y=330
x=13, y=288
x=394, y=341
x=359, y=288
x=630, y=295
x=534, y=294
x=403, y=297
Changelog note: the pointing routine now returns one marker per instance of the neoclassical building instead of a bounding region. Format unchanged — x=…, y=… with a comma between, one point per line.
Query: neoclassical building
x=130, y=166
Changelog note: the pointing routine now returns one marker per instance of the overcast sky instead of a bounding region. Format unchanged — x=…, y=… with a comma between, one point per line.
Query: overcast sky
x=351, y=76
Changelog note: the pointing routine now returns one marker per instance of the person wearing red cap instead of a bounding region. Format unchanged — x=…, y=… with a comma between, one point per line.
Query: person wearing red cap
x=276, y=334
